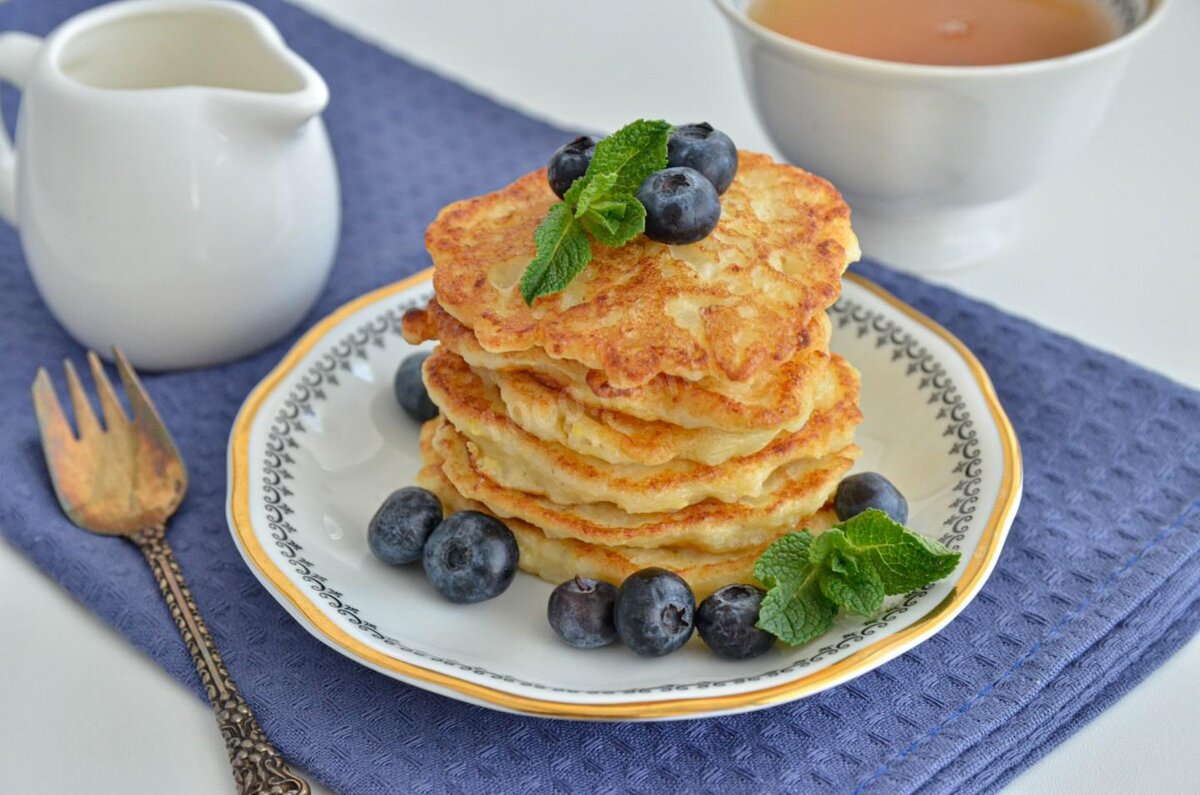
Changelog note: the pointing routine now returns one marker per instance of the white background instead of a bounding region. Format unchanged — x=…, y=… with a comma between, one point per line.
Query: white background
x=1109, y=254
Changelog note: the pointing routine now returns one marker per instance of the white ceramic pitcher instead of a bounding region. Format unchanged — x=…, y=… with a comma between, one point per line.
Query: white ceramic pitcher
x=172, y=180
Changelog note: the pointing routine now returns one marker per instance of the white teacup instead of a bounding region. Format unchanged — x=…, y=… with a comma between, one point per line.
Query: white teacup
x=931, y=158
x=172, y=182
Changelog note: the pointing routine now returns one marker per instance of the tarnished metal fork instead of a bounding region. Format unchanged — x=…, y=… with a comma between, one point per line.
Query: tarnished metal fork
x=126, y=478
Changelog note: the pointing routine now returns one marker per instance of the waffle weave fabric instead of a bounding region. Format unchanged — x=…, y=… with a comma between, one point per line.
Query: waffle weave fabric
x=1098, y=583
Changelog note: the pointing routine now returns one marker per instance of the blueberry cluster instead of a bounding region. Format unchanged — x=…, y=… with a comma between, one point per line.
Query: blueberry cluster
x=682, y=200
x=468, y=556
x=654, y=613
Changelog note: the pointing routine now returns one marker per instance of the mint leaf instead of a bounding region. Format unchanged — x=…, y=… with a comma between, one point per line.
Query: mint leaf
x=861, y=592
x=826, y=545
x=611, y=218
x=851, y=566
x=562, y=252
x=785, y=559
x=843, y=563
x=615, y=223
x=833, y=550
x=846, y=580
x=903, y=559
x=602, y=203
x=631, y=154
x=571, y=197
x=589, y=190
x=795, y=610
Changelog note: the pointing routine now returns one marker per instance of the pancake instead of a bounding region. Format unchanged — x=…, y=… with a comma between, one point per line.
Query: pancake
x=557, y=560
x=517, y=460
x=544, y=411
x=731, y=306
x=791, y=494
x=776, y=400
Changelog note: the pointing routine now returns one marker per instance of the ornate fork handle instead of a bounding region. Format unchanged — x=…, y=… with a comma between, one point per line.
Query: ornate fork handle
x=258, y=769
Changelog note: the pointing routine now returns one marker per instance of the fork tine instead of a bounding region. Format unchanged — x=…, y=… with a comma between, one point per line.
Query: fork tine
x=146, y=417
x=56, y=431
x=114, y=413
x=143, y=408
x=85, y=417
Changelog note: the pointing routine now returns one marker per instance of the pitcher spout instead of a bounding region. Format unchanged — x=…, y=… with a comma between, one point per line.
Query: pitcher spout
x=301, y=108
x=286, y=112
x=224, y=57
x=251, y=80
x=279, y=91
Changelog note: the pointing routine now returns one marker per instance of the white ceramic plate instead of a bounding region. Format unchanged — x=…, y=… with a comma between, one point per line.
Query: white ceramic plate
x=320, y=442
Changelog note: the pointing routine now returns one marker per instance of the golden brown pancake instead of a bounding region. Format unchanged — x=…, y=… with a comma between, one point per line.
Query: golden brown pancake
x=518, y=460
x=730, y=306
x=792, y=493
x=549, y=413
x=774, y=400
x=557, y=560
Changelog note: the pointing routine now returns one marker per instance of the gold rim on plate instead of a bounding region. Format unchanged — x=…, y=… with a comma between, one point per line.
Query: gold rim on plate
x=976, y=571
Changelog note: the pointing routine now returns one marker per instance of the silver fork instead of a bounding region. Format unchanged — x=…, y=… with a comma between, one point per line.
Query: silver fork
x=126, y=479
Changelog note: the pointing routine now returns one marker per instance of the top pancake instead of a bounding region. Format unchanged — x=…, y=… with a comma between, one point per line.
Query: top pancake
x=729, y=306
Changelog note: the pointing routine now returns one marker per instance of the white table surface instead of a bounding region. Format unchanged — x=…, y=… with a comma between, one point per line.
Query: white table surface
x=1110, y=254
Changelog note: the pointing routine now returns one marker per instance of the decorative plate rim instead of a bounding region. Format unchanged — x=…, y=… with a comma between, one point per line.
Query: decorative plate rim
x=972, y=579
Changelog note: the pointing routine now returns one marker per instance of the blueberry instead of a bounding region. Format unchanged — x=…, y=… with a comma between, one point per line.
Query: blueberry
x=581, y=612
x=655, y=612
x=410, y=389
x=398, y=530
x=569, y=163
x=857, y=493
x=726, y=622
x=471, y=557
x=681, y=206
x=709, y=151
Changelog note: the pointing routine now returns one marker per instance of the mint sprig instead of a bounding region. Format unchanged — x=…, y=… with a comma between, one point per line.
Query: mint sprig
x=631, y=154
x=609, y=216
x=563, y=251
x=852, y=566
x=601, y=205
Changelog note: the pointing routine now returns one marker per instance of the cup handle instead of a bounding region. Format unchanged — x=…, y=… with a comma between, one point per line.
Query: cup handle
x=17, y=51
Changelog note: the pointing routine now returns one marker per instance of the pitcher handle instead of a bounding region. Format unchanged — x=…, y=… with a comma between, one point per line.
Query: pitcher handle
x=17, y=51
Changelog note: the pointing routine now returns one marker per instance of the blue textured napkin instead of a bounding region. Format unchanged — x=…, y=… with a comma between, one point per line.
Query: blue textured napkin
x=1098, y=583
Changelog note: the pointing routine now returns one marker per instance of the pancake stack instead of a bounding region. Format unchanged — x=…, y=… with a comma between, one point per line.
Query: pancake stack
x=674, y=406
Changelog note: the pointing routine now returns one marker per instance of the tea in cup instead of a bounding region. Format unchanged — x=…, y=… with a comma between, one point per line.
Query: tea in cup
x=932, y=116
